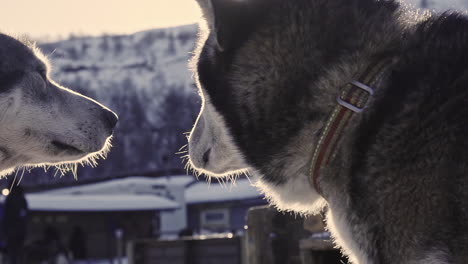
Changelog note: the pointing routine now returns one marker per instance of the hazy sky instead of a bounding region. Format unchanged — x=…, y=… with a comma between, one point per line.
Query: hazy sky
x=40, y=18
x=52, y=18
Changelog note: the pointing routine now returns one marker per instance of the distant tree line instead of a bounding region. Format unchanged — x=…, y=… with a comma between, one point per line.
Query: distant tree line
x=152, y=122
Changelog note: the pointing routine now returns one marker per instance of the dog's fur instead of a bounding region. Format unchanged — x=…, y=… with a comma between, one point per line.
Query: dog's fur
x=41, y=122
x=269, y=72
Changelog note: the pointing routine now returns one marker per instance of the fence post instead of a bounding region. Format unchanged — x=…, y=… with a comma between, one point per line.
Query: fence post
x=130, y=252
x=118, y=233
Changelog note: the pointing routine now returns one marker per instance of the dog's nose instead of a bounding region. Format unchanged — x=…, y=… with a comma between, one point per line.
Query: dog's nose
x=110, y=118
x=206, y=157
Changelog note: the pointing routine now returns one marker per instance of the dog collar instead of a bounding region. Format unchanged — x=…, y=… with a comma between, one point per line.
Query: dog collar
x=353, y=99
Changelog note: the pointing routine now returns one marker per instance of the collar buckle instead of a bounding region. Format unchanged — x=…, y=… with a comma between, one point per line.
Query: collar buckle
x=352, y=107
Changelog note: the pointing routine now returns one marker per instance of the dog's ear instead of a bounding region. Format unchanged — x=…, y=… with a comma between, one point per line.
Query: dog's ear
x=230, y=21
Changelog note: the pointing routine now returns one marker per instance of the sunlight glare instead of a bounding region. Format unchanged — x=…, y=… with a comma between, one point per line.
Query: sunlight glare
x=5, y=192
x=89, y=17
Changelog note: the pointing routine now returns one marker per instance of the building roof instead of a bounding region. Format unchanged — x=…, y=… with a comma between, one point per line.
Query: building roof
x=196, y=191
x=136, y=184
x=89, y=203
x=201, y=192
x=137, y=194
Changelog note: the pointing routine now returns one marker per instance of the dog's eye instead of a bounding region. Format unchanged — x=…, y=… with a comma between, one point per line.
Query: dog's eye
x=43, y=73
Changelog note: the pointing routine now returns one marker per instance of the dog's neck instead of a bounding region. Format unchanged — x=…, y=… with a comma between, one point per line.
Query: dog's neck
x=382, y=39
x=351, y=101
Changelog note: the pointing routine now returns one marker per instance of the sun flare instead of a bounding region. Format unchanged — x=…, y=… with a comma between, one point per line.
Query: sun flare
x=53, y=18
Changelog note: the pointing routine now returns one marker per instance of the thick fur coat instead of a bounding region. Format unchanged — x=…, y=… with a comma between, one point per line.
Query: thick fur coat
x=269, y=73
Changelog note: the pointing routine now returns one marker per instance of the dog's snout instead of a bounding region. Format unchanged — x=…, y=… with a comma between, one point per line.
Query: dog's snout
x=110, y=118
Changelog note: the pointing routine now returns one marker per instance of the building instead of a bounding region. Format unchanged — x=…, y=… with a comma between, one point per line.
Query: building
x=101, y=216
x=220, y=208
x=141, y=207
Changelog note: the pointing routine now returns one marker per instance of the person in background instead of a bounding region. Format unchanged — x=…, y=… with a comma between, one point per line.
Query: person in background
x=77, y=244
x=15, y=221
x=52, y=242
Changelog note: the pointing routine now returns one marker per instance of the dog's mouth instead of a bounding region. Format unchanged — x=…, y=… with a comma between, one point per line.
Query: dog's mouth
x=66, y=148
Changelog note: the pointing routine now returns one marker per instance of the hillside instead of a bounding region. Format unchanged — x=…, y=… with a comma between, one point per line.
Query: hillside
x=144, y=78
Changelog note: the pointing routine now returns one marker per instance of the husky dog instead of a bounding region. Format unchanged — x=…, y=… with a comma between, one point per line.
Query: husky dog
x=359, y=105
x=41, y=122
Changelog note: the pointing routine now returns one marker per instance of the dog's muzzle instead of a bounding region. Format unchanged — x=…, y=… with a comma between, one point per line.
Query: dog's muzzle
x=110, y=119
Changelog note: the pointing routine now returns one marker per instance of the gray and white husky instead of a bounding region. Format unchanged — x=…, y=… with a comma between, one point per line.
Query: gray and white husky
x=359, y=105
x=41, y=122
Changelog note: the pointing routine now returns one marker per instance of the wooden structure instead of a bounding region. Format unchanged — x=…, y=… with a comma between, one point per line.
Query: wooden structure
x=186, y=251
x=315, y=251
x=280, y=238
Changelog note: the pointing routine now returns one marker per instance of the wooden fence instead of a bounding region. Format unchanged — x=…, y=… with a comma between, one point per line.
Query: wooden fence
x=186, y=251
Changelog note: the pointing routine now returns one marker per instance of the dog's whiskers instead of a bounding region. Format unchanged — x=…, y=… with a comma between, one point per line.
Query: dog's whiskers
x=14, y=179
x=21, y=177
x=183, y=147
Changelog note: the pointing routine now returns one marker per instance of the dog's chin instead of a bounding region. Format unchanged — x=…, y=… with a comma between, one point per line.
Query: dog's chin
x=296, y=195
x=58, y=152
x=60, y=148
x=215, y=173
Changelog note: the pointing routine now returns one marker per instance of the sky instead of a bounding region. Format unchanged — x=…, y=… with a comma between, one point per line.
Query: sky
x=60, y=18
x=57, y=19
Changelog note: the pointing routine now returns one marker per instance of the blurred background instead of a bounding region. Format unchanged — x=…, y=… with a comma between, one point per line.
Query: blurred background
x=136, y=205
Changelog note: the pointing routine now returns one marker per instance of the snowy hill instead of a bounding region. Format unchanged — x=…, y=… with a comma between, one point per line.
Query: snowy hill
x=145, y=79
x=150, y=60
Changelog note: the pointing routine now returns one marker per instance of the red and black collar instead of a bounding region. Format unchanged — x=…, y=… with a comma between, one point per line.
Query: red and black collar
x=353, y=99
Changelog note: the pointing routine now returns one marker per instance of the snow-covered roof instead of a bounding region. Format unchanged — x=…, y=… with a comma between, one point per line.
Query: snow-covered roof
x=201, y=192
x=138, y=193
x=121, y=202
x=135, y=184
x=196, y=192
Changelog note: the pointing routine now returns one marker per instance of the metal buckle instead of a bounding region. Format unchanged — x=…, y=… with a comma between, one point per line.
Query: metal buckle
x=351, y=106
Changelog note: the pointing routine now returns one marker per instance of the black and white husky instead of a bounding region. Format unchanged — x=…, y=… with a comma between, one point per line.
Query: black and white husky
x=360, y=105
x=41, y=122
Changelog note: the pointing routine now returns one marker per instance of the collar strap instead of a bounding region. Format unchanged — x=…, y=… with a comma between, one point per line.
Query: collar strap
x=352, y=100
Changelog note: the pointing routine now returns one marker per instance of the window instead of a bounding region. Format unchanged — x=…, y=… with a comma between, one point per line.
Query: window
x=215, y=219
